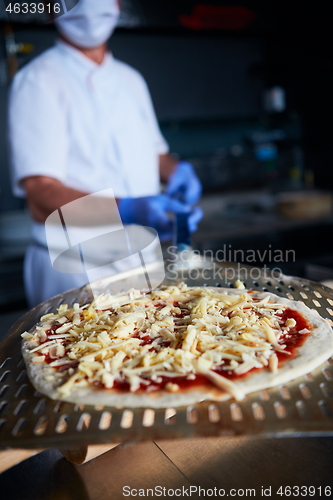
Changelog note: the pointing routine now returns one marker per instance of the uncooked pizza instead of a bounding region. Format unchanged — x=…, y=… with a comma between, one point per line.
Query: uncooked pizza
x=175, y=346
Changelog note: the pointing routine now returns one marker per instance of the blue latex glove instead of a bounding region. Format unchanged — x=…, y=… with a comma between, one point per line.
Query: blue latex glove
x=152, y=211
x=184, y=184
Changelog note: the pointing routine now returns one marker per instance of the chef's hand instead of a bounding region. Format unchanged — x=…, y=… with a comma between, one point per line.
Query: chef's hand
x=153, y=211
x=184, y=184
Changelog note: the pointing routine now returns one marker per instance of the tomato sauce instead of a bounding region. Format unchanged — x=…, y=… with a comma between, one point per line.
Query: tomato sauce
x=292, y=339
x=182, y=382
x=52, y=330
x=145, y=339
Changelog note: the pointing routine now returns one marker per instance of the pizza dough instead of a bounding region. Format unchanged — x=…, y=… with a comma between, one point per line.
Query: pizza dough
x=175, y=346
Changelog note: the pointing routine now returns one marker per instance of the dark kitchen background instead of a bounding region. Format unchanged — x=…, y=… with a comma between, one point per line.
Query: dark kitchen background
x=242, y=90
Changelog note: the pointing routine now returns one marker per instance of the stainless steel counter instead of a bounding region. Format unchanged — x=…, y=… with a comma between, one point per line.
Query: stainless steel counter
x=248, y=213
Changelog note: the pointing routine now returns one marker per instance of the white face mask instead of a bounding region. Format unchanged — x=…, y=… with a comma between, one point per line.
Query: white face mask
x=90, y=23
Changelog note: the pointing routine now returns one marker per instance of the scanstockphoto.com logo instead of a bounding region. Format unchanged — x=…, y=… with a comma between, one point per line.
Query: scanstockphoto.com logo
x=227, y=263
x=87, y=237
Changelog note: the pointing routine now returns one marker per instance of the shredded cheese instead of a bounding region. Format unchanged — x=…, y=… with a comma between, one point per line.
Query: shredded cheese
x=177, y=331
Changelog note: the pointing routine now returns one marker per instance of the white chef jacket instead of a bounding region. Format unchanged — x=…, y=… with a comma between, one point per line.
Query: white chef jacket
x=90, y=126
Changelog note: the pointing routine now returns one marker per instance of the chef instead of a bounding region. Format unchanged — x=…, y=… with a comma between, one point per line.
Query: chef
x=80, y=121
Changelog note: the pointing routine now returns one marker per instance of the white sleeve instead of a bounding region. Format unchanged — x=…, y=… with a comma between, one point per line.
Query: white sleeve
x=38, y=141
x=161, y=146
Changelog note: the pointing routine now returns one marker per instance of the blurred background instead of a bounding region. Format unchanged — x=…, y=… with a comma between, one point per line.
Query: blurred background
x=243, y=91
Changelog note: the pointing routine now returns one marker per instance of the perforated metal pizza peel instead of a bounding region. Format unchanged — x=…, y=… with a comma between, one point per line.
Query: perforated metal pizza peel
x=302, y=407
